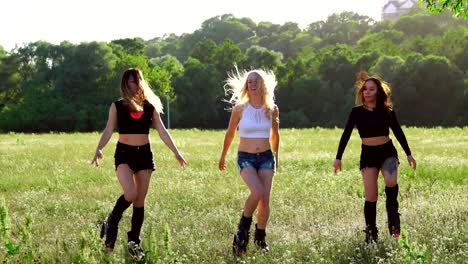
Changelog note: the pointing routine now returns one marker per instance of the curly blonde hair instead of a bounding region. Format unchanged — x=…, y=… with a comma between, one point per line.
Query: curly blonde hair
x=236, y=88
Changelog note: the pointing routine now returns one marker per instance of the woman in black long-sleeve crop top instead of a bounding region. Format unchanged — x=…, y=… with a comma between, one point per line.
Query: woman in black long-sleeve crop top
x=373, y=116
x=133, y=116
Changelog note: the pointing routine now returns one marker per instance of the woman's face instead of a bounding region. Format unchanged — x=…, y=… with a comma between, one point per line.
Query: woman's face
x=369, y=93
x=132, y=85
x=254, y=83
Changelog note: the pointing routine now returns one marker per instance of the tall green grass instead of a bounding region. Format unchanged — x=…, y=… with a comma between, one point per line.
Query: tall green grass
x=53, y=199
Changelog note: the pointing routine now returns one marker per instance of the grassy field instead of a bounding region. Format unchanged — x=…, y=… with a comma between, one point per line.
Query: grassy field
x=51, y=200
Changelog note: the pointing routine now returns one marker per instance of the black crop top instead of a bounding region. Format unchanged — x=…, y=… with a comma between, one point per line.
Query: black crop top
x=372, y=124
x=126, y=124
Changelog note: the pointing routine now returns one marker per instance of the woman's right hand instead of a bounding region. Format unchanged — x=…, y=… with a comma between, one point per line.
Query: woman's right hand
x=337, y=165
x=97, y=157
x=412, y=162
x=222, y=163
x=181, y=159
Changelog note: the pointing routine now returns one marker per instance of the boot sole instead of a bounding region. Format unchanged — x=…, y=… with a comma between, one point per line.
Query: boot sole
x=238, y=250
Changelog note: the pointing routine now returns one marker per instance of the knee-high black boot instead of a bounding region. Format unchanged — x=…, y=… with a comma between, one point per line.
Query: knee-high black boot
x=392, y=210
x=137, y=222
x=111, y=225
x=370, y=213
x=241, y=238
x=259, y=239
x=134, y=247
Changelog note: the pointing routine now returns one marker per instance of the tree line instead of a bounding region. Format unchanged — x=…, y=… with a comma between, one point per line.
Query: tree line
x=69, y=87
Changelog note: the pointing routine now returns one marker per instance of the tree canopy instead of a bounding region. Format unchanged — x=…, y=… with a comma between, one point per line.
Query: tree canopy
x=69, y=87
x=458, y=7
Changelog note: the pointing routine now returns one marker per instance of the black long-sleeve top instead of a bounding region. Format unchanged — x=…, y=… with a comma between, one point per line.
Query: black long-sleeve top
x=372, y=124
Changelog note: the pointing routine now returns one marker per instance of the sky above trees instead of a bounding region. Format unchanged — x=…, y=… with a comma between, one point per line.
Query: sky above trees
x=104, y=20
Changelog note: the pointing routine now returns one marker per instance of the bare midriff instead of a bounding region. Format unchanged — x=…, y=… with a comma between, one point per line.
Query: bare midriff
x=375, y=141
x=134, y=139
x=254, y=145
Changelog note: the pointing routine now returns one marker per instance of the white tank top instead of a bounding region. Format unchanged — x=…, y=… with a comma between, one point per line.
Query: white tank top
x=254, y=123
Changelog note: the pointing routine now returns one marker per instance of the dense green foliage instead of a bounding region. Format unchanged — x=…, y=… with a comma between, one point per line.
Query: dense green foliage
x=51, y=199
x=458, y=7
x=69, y=87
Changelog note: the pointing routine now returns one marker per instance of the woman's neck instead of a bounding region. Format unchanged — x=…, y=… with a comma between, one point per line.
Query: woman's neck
x=256, y=103
x=370, y=105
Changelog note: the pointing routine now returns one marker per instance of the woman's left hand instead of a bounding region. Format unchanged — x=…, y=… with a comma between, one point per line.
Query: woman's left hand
x=181, y=159
x=412, y=162
x=97, y=157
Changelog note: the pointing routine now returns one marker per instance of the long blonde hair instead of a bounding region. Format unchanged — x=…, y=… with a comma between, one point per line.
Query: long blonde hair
x=236, y=87
x=135, y=101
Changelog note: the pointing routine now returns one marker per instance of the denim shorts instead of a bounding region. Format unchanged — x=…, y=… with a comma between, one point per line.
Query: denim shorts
x=259, y=161
x=136, y=157
x=375, y=156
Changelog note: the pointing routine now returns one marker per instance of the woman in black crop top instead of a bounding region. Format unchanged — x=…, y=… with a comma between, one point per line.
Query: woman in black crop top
x=133, y=116
x=373, y=118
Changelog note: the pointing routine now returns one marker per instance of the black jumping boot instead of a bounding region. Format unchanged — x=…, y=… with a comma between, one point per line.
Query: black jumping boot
x=259, y=239
x=370, y=214
x=110, y=226
x=135, y=250
x=109, y=229
x=241, y=238
x=394, y=224
x=372, y=234
x=134, y=242
x=392, y=211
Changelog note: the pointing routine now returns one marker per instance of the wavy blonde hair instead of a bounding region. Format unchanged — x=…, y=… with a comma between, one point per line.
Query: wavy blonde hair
x=135, y=101
x=236, y=87
x=383, y=91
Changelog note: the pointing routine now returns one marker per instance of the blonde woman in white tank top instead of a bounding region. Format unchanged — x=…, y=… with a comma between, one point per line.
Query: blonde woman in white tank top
x=257, y=117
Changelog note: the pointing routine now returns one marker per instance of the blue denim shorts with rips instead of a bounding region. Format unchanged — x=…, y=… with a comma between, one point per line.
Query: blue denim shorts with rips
x=259, y=161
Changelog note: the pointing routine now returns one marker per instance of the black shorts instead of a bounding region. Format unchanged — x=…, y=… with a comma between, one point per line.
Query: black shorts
x=136, y=157
x=374, y=156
